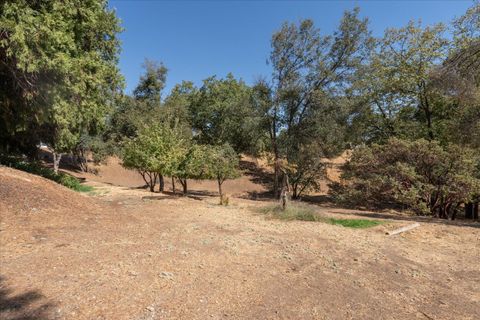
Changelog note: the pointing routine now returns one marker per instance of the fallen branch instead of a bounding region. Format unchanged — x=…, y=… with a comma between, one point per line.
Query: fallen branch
x=403, y=229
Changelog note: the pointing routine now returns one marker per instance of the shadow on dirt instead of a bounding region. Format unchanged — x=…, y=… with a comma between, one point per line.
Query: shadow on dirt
x=192, y=194
x=23, y=306
x=256, y=174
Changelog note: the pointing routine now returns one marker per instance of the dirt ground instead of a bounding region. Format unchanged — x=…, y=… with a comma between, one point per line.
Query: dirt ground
x=124, y=253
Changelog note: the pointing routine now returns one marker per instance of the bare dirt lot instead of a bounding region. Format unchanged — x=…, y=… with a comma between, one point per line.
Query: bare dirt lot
x=124, y=253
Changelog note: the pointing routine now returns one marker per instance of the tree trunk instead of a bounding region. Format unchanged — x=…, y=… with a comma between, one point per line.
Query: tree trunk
x=276, y=172
x=223, y=200
x=161, y=182
x=173, y=185
x=449, y=212
x=469, y=210
x=183, y=182
x=220, y=188
x=82, y=161
x=56, y=161
x=276, y=157
x=153, y=182
x=295, y=191
x=284, y=198
x=425, y=105
x=429, y=124
x=475, y=211
x=143, y=173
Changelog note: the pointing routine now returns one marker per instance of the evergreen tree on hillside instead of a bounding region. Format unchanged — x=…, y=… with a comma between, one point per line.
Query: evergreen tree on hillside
x=59, y=72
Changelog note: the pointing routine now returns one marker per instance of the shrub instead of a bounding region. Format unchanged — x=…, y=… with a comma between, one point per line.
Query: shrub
x=420, y=175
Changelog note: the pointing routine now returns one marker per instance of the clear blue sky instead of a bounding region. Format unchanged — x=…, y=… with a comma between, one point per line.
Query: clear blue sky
x=197, y=39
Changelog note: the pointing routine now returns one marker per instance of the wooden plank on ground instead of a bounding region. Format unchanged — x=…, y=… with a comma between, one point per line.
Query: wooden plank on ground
x=403, y=229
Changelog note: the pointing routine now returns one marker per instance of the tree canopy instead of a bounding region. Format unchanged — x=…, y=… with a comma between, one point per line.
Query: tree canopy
x=59, y=71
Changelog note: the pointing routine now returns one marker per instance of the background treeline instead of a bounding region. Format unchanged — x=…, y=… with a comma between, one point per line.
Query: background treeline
x=406, y=106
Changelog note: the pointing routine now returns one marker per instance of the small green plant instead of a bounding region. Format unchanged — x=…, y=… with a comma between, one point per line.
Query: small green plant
x=354, y=223
x=37, y=169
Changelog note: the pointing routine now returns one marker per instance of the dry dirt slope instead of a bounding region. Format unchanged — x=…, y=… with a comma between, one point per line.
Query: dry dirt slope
x=117, y=256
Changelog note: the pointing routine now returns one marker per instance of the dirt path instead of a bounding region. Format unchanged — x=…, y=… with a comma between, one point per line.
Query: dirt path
x=133, y=256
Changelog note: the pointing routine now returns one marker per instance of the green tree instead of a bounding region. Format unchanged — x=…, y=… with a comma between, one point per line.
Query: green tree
x=144, y=108
x=222, y=165
x=59, y=72
x=176, y=108
x=458, y=80
x=400, y=95
x=151, y=84
x=221, y=112
x=158, y=150
x=310, y=73
x=208, y=162
x=193, y=166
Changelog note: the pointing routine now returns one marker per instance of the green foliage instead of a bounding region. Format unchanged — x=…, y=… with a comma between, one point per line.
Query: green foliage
x=467, y=27
x=223, y=163
x=196, y=164
x=149, y=89
x=59, y=71
x=396, y=86
x=305, y=105
x=146, y=109
x=354, y=223
x=327, y=92
x=420, y=175
x=37, y=169
x=207, y=162
x=158, y=149
x=421, y=83
x=176, y=108
x=221, y=112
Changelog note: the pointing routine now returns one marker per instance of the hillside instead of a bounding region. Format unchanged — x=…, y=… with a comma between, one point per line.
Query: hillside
x=255, y=180
x=25, y=193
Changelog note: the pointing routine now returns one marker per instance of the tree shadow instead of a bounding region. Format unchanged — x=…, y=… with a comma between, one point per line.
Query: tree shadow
x=256, y=174
x=258, y=196
x=66, y=162
x=192, y=194
x=201, y=193
x=20, y=306
x=159, y=197
x=320, y=200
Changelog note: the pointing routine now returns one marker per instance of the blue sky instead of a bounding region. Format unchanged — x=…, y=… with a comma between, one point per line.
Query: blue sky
x=197, y=39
